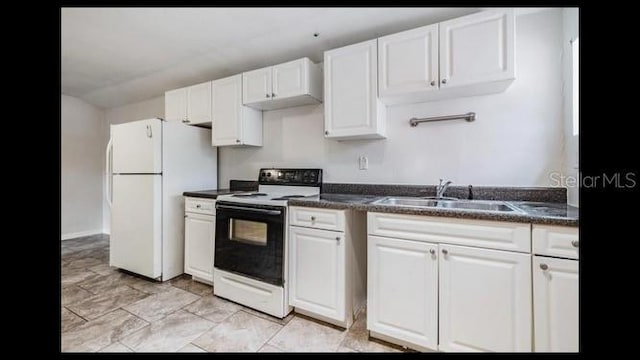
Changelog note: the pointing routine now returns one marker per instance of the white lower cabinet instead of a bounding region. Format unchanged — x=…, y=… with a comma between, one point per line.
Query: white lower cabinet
x=402, y=283
x=555, y=302
x=199, y=239
x=327, y=268
x=317, y=274
x=485, y=300
x=427, y=294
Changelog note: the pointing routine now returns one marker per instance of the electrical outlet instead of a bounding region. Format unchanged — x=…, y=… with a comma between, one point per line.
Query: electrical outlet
x=363, y=162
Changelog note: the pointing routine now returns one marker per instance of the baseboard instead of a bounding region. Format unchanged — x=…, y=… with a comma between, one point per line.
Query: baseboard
x=74, y=235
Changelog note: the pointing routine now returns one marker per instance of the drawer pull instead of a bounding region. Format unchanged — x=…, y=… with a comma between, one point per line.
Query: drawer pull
x=544, y=266
x=445, y=251
x=313, y=218
x=337, y=238
x=575, y=243
x=198, y=206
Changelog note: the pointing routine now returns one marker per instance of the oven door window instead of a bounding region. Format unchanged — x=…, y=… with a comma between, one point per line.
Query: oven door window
x=250, y=232
x=250, y=241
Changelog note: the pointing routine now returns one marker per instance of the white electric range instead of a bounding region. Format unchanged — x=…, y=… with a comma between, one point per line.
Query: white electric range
x=250, y=263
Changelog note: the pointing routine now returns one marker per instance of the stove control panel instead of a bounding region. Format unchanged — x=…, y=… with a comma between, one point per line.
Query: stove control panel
x=290, y=177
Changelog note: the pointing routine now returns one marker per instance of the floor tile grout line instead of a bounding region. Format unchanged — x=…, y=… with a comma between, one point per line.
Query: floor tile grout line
x=276, y=333
x=205, y=350
x=78, y=315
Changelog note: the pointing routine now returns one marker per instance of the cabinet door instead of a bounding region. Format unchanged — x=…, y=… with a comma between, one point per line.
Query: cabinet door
x=350, y=92
x=477, y=48
x=226, y=124
x=290, y=79
x=199, y=240
x=485, y=300
x=256, y=85
x=199, y=103
x=408, y=61
x=402, y=290
x=317, y=271
x=555, y=304
x=175, y=105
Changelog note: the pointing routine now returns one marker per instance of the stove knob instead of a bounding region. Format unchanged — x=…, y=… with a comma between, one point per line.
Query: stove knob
x=268, y=174
x=262, y=174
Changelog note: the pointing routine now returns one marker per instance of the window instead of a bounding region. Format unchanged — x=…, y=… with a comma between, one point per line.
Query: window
x=575, y=88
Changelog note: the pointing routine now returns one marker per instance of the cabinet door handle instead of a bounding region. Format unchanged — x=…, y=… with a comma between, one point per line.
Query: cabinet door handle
x=238, y=140
x=198, y=206
x=444, y=81
x=544, y=266
x=326, y=132
x=445, y=251
x=433, y=83
x=186, y=121
x=313, y=218
x=575, y=243
x=337, y=238
x=432, y=252
x=273, y=95
x=268, y=95
x=149, y=133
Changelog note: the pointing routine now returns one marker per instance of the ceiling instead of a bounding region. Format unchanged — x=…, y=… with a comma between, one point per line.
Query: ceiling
x=117, y=56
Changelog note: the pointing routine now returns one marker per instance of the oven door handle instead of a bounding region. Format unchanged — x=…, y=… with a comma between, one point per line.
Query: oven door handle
x=262, y=211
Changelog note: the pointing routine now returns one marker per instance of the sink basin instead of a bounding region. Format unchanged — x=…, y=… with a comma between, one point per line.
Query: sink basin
x=407, y=202
x=477, y=205
x=448, y=204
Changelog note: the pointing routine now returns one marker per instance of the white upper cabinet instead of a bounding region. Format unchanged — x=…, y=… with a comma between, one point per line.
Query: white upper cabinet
x=466, y=56
x=175, y=105
x=232, y=122
x=351, y=106
x=190, y=105
x=408, y=62
x=294, y=83
x=479, y=48
x=199, y=103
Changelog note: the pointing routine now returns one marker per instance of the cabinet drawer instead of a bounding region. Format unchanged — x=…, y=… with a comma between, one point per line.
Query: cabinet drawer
x=560, y=241
x=328, y=219
x=200, y=206
x=479, y=233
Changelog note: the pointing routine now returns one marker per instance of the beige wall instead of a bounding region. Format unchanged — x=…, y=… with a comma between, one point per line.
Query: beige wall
x=81, y=167
x=516, y=139
x=137, y=111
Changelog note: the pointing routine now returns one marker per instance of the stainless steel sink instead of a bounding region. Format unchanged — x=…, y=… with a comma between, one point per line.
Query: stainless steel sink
x=477, y=205
x=481, y=205
x=407, y=202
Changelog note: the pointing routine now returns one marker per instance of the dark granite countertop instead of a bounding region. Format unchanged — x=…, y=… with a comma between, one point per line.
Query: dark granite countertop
x=532, y=212
x=210, y=194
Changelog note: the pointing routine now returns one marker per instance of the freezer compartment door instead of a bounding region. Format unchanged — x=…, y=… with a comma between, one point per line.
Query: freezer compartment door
x=136, y=224
x=137, y=147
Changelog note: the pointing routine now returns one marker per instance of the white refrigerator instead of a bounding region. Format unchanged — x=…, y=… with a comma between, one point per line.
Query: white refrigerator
x=150, y=163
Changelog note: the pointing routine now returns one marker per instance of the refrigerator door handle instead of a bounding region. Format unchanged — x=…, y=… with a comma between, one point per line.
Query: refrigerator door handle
x=108, y=171
x=149, y=133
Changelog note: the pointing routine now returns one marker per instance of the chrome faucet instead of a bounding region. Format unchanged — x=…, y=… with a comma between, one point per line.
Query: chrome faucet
x=440, y=189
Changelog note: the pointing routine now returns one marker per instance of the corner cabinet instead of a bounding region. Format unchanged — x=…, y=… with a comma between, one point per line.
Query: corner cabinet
x=190, y=105
x=232, y=122
x=199, y=238
x=555, y=288
x=294, y=83
x=426, y=63
x=351, y=106
x=327, y=263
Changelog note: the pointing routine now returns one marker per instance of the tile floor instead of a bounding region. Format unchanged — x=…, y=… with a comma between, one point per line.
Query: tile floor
x=107, y=310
